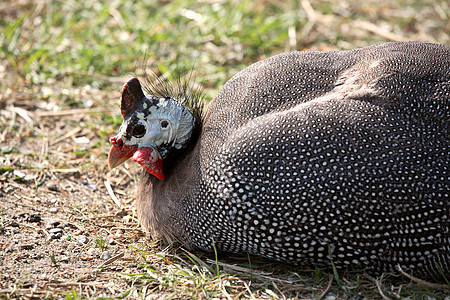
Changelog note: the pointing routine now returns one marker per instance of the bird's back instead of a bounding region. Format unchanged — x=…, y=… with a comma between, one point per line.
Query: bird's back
x=310, y=153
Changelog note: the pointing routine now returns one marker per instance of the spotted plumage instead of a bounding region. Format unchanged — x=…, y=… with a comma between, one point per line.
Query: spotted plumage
x=310, y=153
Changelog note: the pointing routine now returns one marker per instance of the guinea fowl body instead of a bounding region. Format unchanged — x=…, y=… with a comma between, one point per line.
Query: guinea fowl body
x=310, y=153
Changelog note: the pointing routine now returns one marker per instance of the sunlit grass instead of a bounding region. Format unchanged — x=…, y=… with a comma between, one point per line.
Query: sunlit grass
x=83, y=41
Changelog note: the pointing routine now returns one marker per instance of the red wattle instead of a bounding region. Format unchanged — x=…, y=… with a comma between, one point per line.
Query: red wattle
x=151, y=160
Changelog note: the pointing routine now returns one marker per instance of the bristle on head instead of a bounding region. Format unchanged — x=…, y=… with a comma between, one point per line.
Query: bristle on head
x=183, y=89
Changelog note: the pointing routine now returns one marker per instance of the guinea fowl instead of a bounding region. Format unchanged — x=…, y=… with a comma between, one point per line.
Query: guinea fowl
x=305, y=157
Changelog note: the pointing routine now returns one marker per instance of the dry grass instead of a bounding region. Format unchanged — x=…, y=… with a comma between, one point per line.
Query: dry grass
x=61, y=67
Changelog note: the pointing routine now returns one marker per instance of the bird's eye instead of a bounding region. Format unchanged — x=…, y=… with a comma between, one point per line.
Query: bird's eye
x=138, y=131
x=164, y=124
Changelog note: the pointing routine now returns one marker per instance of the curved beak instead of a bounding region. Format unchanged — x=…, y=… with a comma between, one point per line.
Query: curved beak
x=119, y=152
x=147, y=157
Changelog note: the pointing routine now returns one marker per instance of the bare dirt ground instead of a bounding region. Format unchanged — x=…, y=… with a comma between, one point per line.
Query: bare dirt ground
x=59, y=225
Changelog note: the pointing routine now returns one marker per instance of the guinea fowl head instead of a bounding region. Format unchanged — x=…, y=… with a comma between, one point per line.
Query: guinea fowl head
x=152, y=127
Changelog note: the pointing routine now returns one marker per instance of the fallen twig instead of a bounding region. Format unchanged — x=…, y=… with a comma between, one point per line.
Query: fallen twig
x=330, y=281
x=249, y=291
x=380, y=289
x=69, y=112
x=68, y=134
x=111, y=260
x=111, y=193
x=423, y=282
x=379, y=31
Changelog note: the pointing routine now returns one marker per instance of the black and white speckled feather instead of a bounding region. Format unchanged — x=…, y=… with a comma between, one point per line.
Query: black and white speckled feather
x=310, y=152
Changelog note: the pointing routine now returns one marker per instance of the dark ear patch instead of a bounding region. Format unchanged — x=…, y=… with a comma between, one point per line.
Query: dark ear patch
x=132, y=97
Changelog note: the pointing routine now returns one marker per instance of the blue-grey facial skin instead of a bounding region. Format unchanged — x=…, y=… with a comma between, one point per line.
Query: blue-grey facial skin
x=166, y=123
